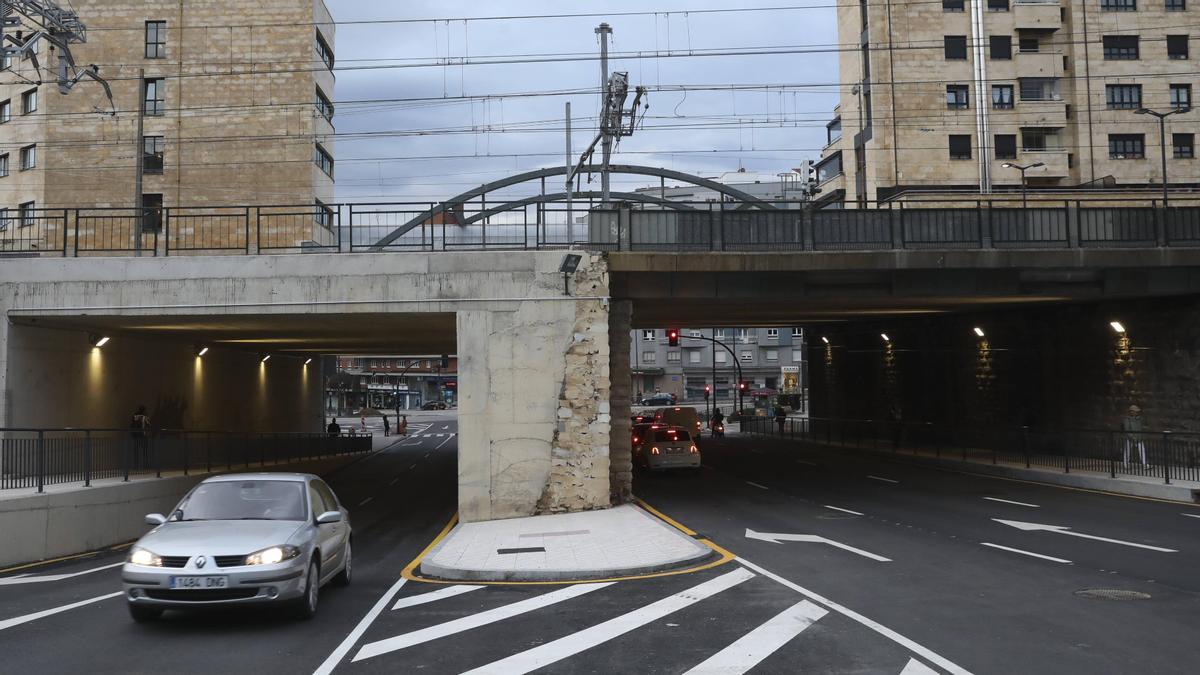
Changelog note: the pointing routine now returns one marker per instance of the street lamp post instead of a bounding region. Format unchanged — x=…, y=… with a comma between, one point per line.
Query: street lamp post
x=1022, y=169
x=1162, y=139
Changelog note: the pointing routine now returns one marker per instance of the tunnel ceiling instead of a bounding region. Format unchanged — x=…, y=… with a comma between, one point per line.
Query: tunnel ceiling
x=399, y=334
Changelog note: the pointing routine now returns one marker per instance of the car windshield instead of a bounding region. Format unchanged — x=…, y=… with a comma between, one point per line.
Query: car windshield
x=244, y=500
x=671, y=435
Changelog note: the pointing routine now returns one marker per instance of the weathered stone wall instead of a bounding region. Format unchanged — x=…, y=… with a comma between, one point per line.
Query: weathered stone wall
x=1059, y=367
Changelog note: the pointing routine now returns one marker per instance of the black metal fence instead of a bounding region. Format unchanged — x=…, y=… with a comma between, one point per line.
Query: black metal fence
x=39, y=457
x=696, y=226
x=1162, y=455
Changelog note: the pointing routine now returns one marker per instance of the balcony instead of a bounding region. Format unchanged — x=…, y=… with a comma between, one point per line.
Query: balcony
x=1055, y=162
x=1041, y=113
x=1039, y=64
x=1037, y=15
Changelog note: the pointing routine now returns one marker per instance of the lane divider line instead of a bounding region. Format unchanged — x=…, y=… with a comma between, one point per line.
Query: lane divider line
x=1190, y=515
x=564, y=647
x=342, y=649
x=17, y=621
x=365, y=501
x=760, y=487
x=885, y=480
x=838, y=508
x=750, y=649
x=25, y=579
x=1029, y=553
x=806, y=463
x=433, y=596
x=1009, y=501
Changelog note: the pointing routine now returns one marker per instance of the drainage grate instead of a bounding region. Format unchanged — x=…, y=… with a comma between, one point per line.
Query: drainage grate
x=1112, y=594
x=531, y=549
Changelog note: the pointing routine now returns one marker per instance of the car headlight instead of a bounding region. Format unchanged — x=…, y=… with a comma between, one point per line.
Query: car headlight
x=140, y=556
x=270, y=556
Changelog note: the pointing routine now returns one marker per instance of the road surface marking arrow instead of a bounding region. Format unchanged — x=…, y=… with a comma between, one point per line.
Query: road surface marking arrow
x=776, y=538
x=1061, y=529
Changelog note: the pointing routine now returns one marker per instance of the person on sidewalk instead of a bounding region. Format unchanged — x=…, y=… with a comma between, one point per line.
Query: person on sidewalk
x=1132, y=426
x=402, y=427
x=334, y=429
x=387, y=427
x=139, y=425
x=780, y=418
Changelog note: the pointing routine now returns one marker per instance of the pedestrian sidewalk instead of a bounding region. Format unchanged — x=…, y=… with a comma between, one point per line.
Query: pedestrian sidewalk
x=621, y=541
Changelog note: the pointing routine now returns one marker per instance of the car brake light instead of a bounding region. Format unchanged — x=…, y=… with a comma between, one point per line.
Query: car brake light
x=693, y=450
x=635, y=439
x=654, y=451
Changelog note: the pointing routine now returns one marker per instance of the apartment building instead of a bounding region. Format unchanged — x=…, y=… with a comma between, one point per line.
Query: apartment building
x=941, y=96
x=218, y=103
x=390, y=382
x=768, y=358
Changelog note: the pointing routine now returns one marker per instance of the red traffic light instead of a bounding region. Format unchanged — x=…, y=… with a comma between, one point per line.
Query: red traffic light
x=707, y=388
x=742, y=386
x=673, y=337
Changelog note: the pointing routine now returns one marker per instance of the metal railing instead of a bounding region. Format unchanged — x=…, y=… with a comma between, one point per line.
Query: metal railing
x=40, y=457
x=1000, y=223
x=1162, y=455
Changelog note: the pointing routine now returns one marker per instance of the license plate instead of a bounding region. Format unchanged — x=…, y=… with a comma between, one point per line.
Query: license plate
x=199, y=583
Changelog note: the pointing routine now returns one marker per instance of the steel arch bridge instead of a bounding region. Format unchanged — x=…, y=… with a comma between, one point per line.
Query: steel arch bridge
x=747, y=201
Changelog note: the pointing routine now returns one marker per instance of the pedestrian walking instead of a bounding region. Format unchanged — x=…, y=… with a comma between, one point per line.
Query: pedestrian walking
x=1132, y=426
x=334, y=429
x=362, y=422
x=139, y=425
x=402, y=427
x=780, y=418
x=387, y=427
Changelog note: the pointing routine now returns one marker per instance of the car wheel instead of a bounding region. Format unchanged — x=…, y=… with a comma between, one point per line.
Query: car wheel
x=306, y=605
x=344, y=577
x=144, y=614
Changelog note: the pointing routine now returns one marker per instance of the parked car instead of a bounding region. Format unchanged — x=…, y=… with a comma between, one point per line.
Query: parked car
x=239, y=539
x=434, y=405
x=667, y=448
x=659, y=399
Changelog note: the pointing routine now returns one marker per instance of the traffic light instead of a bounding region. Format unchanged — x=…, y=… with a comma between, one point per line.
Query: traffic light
x=707, y=391
x=673, y=337
x=741, y=386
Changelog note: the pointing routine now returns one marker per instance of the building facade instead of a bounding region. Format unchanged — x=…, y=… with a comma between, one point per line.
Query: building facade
x=941, y=96
x=390, y=383
x=769, y=359
x=215, y=104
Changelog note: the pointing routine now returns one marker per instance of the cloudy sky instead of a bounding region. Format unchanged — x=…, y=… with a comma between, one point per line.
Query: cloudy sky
x=476, y=123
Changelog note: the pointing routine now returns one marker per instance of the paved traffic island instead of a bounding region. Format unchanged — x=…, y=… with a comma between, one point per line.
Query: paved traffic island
x=617, y=542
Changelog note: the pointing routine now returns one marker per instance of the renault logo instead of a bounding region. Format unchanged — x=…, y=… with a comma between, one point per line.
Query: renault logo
x=201, y=561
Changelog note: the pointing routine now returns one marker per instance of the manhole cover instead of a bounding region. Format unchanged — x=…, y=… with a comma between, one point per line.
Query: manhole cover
x=1112, y=594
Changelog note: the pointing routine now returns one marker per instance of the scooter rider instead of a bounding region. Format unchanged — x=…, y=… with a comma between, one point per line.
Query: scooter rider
x=718, y=423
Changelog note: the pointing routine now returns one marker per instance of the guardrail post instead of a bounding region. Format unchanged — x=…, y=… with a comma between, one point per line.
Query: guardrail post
x=898, y=228
x=126, y=456
x=208, y=452
x=1025, y=444
x=185, y=453
x=41, y=460
x=152, y=449
x=1066, y=458
x=87, y=458
x=807, y=238
x=1112, y=455
x=1167, y=457
x=1073, y=224
x=76, y=220
x=1160, y=224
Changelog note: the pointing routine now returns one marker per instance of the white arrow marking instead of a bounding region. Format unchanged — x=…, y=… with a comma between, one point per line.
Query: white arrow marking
x=26, y=579
x=1061, y=529
x=776, y=538
x=1009, y=501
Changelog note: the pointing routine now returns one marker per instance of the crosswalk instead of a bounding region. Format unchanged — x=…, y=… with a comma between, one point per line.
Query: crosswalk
x=724, y=621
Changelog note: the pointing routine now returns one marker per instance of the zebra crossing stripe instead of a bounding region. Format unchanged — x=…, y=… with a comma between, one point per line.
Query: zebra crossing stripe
x=758, y=644
x=474, y=621
x=915, y=667
x=552, y=652
x=448, y=592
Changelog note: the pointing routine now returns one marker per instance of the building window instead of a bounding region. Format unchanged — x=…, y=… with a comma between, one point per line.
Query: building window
x=772, y=355
x=952, y=5
x=5, y=111
x=1123, y=96
x=28, y=157
x=1184, y=145
x=673, y=357
x=956, y=96
x=649, y=336
x=324, y=52
x=323, y=159
x=1006, y=146
x=156, y=39
x=1126, y=146
x=1177, y=47
x=960, y=146
x=1029, y=44
x=1002, y=96
x=154, y=101
x=26, y=213
x=1039, y=89
x=1118, y=5
x=1176, y=5
x=833, y=131
x=797, y=333
x=1120, y=47
x=1036, y=139
x=956, y=47
x=5, y=219
x=772, y=333
x=694, y=356
x=747, y=356
x=719, y=357
x=153, y=149
x=695, y=333
x=152, y=212
x=719, y=334
x=797, y=355
x=324, y=106
x=1181, y=96
x=649, y=357
x=1001, y=47
x=997, y=5
x=322, y=214
x=743, y=335
x=4, y=165
x=29, y=102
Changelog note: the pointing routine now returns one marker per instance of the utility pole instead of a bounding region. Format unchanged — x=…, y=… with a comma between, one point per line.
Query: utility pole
x=604, y=31
x=140, y=154
x=570, y=217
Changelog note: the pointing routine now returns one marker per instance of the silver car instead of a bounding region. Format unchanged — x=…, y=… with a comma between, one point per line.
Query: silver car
x=242, y=539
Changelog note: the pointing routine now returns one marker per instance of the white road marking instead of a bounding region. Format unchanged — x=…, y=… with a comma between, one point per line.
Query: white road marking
x=449, y=437
x=29, y=579
x=18, y=620
x=394, y=480
x=426, y=456
x=915, y=667
x=1062, y=529
x=924, y=652
x=1190, y=515
x=805, y=463
x=760, y=487
x=474, y=621
x=885, y=480
x=366, y=501
x=444, y=427
x=1030, y=553
x=837, y=508
x=564, y=647
x=1009, y=501
x=414, y=465
x=338, y=654
x=750, y=649
x=434, y=596
x=777, y=538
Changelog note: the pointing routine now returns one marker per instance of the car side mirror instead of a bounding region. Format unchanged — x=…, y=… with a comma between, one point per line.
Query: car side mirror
x=155, y=519
x=329, y=517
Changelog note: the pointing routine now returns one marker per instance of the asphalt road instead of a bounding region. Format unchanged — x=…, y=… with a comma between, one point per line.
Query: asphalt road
x=942, y=602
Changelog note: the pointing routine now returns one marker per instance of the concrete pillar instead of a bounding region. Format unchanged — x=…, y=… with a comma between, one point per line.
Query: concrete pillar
x=620, y=400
